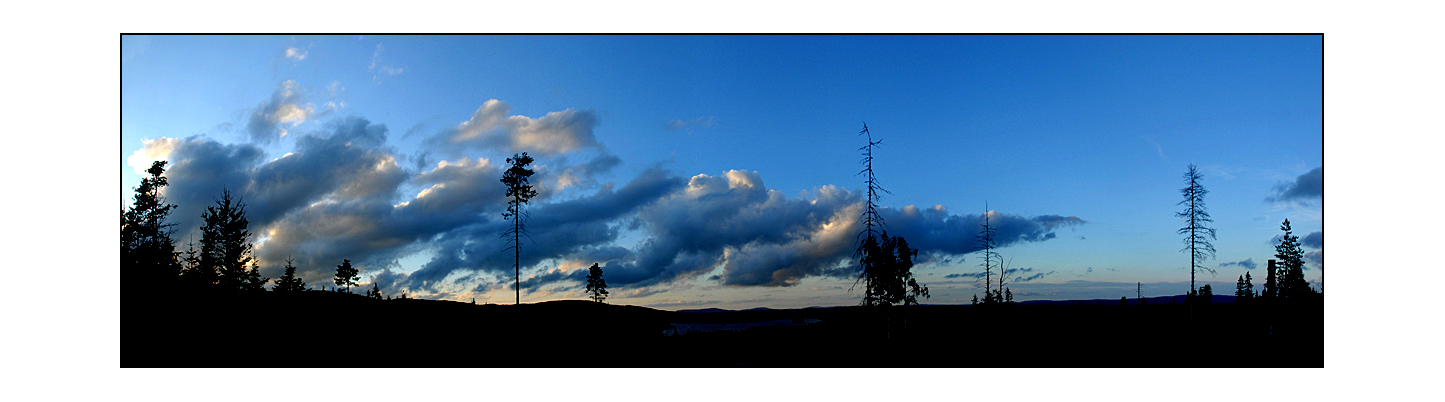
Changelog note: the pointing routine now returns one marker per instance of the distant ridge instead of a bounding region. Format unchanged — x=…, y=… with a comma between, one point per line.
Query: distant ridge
x=1178, y=299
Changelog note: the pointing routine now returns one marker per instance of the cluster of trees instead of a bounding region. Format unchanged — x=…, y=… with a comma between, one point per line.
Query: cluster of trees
x=225, y=260
x=148, y=255
x=1283, y=281
x=1289, y=282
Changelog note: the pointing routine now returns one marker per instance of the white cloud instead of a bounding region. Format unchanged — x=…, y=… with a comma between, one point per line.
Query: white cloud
x=295, y=54
x=151, y=150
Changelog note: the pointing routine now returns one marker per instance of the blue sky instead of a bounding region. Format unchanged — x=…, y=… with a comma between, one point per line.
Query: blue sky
x=706, y=171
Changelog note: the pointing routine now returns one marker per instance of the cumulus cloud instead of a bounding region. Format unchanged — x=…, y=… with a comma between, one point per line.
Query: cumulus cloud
x=580, y=175
x=323, y=201
x=692, y=227
x=1247, y=263
x=491, y=127
x=762, y=238
x=1306, y=187
x=199, y=170
x=579, y=229
x=271, y=119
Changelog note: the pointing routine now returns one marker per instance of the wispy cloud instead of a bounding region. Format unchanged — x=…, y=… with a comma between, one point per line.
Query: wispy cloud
x=378, y=68
x=1157, y=148
x=679, y=124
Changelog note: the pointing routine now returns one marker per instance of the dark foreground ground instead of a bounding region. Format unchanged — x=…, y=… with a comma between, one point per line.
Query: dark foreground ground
x=323, y=329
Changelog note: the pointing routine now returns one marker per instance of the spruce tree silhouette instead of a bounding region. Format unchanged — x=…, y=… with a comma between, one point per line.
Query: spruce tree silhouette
x=375, y=291
x=190, y=264
x=346, y=276
x=288, y=282
x=148, y=257
x=595, y=284
x=1291, y=257
x=226, y=258
x=518, y=189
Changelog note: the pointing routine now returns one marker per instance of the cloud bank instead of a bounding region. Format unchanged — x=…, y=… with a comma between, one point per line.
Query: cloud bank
x=342, y=192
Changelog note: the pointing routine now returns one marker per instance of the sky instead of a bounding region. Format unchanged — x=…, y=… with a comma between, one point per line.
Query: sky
x=721, y=171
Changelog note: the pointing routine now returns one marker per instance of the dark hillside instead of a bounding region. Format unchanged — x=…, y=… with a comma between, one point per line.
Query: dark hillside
x=325, y=329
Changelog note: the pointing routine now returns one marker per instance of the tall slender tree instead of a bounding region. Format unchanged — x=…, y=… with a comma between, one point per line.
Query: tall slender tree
x=520, y=192
x=868, y=253
x=1198, y=235
x=148, y=254
x=985, y=238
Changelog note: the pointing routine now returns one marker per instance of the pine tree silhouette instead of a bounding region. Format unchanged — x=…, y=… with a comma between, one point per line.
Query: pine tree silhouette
x=346, y=276
x=520, y=192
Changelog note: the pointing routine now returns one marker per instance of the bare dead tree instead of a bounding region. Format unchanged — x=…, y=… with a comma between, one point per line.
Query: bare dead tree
x=1198, y=235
